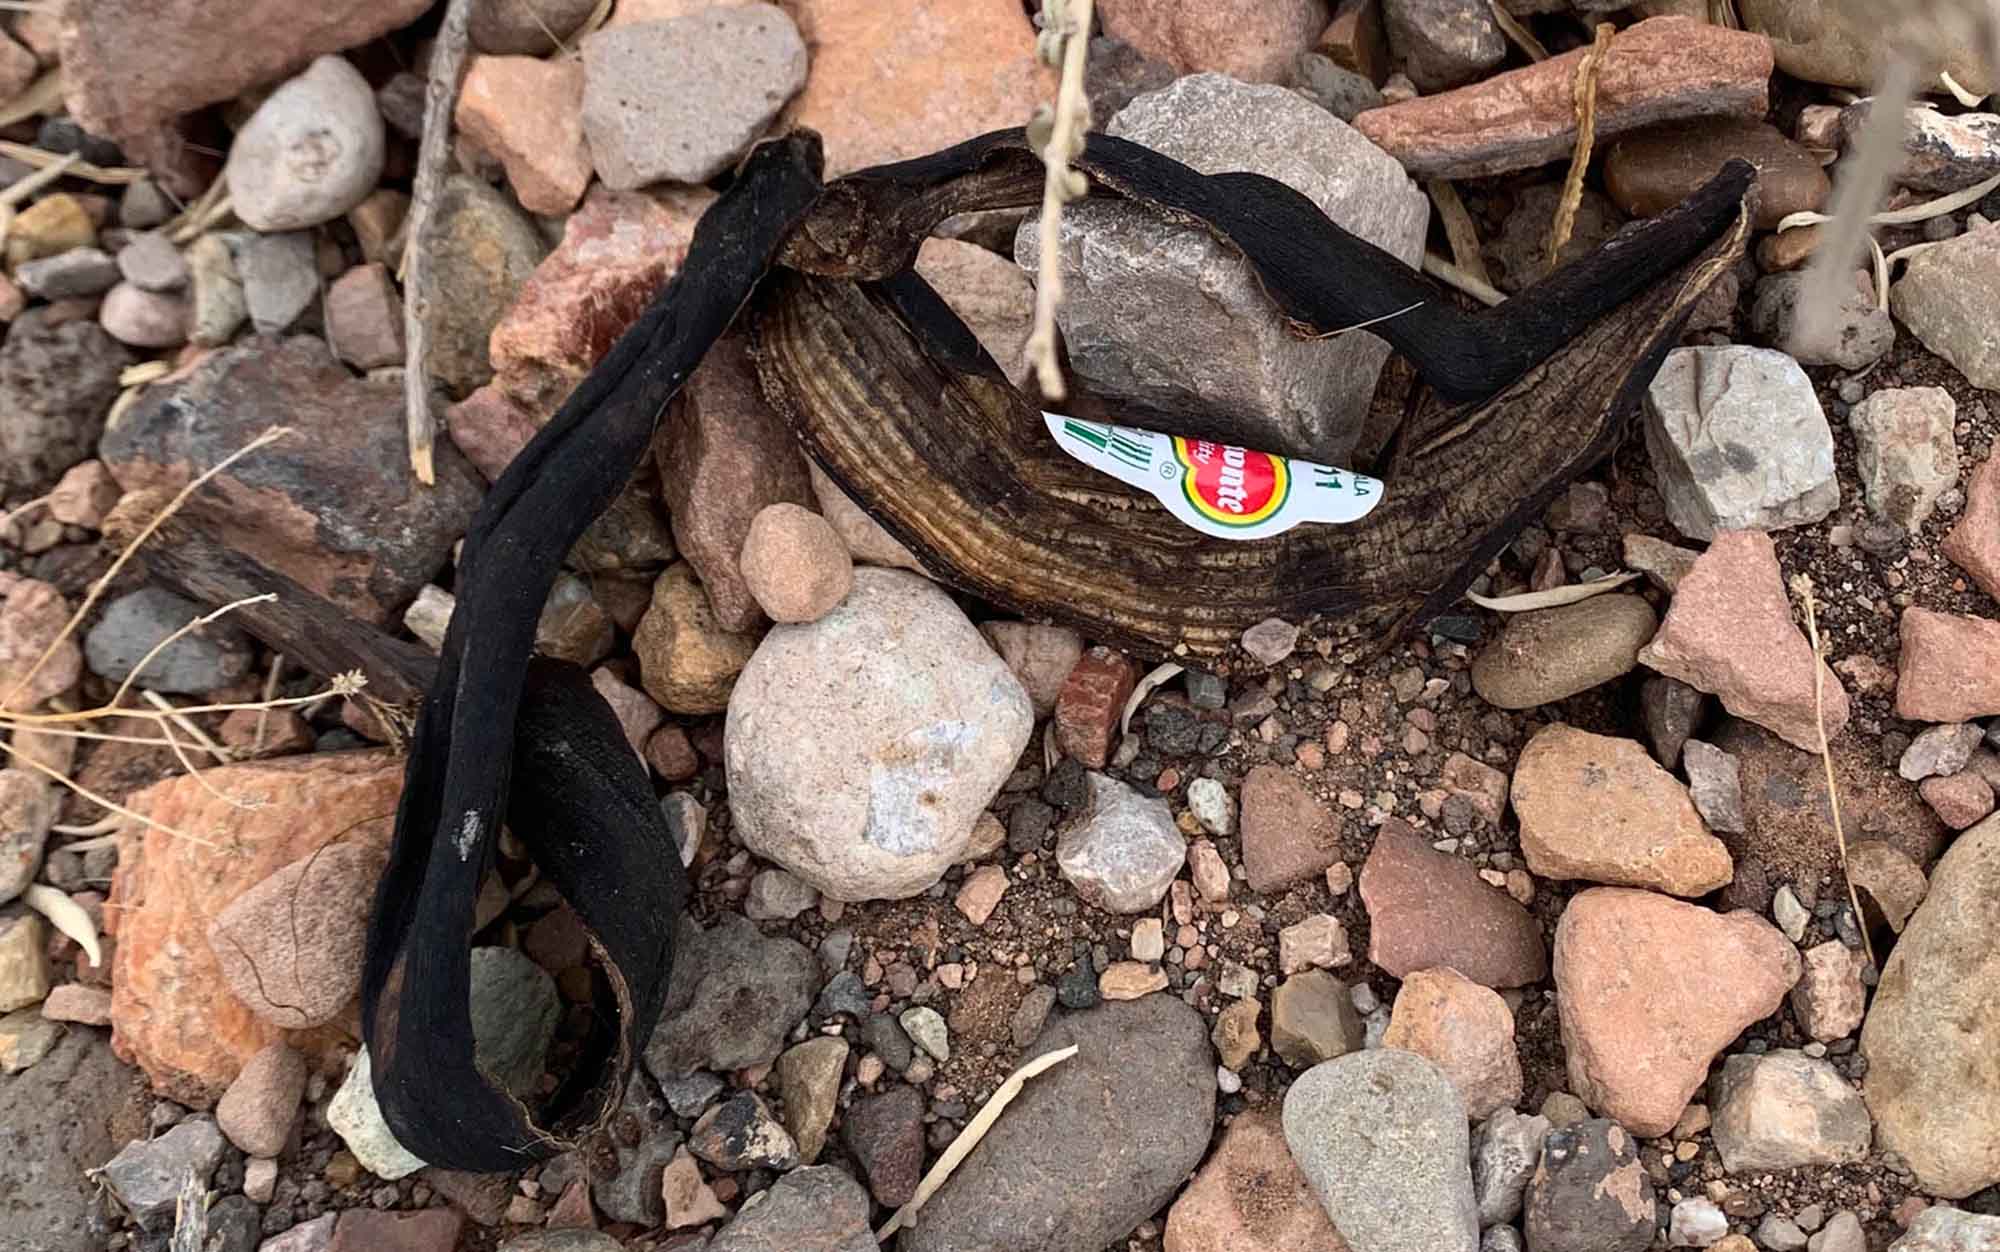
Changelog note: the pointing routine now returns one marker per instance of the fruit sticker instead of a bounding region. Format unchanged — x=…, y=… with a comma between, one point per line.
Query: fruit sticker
x=1217, y=489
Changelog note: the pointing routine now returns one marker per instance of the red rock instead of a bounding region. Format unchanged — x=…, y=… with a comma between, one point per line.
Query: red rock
x=490, y=429
x=364, y=317
x=618, y=248
x=1974, y=543
x=724, y=456
x=528, y=113
x=1251, y=1195
x=85, y=494
x=1959, y=800
x=131, y=65
x=1660, y=70
x=1427, y=909
x=890, y=82
x=1729, y=632
x=367, y=1230
x=1288, y=834
x=173, y=1013
x=1949, y=669
x=31, y=618
x=671, y=755
x=1650, y=989
x=273, y=732
x=1090, y=704
x=1481, y=784
x=1466, y=1030
x=1602, y=810
x=1253, y=40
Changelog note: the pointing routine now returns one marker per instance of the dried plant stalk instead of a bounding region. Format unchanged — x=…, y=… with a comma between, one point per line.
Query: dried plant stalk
x=1066, y=28
x=447, y=64
x=1802, y=587
x=1586, y=137
x=1458, y=228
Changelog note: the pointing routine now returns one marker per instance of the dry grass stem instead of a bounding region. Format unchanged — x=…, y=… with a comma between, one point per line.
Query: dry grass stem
x=49, y=172
x=440, y=94
x=1554, y=597
x=1065, y=40
x=1802, y=587
x=1451, y=275
x=1512, y=27
x=1458, y=228
x=1585, y=99
x=42, y=159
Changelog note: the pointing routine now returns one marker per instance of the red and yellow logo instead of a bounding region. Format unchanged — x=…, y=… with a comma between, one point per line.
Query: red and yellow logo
x=1232, y=486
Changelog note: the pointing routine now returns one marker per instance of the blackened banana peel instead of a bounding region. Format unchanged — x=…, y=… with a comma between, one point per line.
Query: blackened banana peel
x=893, y=396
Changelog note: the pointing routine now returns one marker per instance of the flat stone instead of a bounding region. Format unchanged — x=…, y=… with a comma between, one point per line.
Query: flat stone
x=866, y=540
x=1649, y=172
x=1857, y=333
x=514, y=1012
x=1947, y=294
x=1650, y=989
x=1729, y=632
x=1381, y=1137
x=1715, y=785
x=370, y=1230
x=1124, y=852
x=1428, y=909
x=1250, y=1193
x=1663, y=563
x=809, y=1076
x=528, y=113
x=138, y=622
x=1245, y=39
x=24, y=963
x=734, y=997
x=1091, y=1148
x=484, y=251
x=1974, y=542
x=144, y=319
x=1783, y=1109
x=80, y=272
x=364, y=317
x=1949, y=667
x=1739, y=442
x=885, y=1132
x=819, y=1209
x=1941, y=1229
x=312, y=150
x=1318, y=942
x=1443, y=43
x=281, y=279
x=147, y=1174
x=57, y=383
x=215, y=304
x=1589, y=1193
x=1664, y=69
x=1905, y=452
x=1551, y=654
x=1824, y=41
x=1505, y=1150
x=52, y=225
x=864, y=775
x=290, y=947
x=1042, y=657
x=988, y=292
x=1940, y=750
x=742, y=1133
x=1600, y=810
x=356, y=1116
x=1929, y=1031
x=1959, y=800
x=84, y=496
x=1466, y=1030
x=258, y=1110
x=1166, y=319
x=1288, y=833
x=1313, y=1020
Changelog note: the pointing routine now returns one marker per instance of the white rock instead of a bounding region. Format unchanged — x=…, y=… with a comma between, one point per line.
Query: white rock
x=312, y=151
x=1739, y=442
x=1209, y=801
x=1791, y=916
x=861, y=748
x=776, y=895
x=1697, y=1222
x=1784, y=1109
x=1941, y=1229
x=1124, y=853
x=357, y=1119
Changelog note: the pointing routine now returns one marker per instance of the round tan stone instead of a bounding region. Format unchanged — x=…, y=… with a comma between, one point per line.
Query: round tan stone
x=795, y=564
x=1551, y=654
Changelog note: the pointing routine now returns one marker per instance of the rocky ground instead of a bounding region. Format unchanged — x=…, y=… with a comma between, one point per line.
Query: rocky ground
x=1532, y=930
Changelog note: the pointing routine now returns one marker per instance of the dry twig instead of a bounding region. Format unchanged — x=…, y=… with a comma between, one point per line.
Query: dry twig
x=1514, y=29
x=1458, y=228
x=447, y=64
x=1586, y=137
x=1802, y=587
x=1064, y=41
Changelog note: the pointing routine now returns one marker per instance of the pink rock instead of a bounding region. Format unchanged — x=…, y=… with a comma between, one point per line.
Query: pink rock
x=1427, y=909
x=989, y=292
x=890, y=82
x=1662, y=69
x=1974, y=543
x=1253, y=40
x=1288, y=834
x=313, y=1236
x=1479, y=783
x=1650, y=989
x=637, y=715
x=1463, y=1028
x=490, y=429
x=1251, y=1195
x=724, y=457
x=981, y=893
x=671, y=755
x=1830, y=998
x=74, y=1002
x=85, y=494
x=130, y=65
x=1040, y=656
x=32, y=618
x=1090, y=704
x=1959, y=800
x=17, y=68
x=258, y=1109
x=364, y=317
x=1949, y=669
x=1729, y=632
x=369, y=1230
x=1602, y=810
x=865, y=537
x=795, y=566
x=617, y=250
x=628, y=11
x=144, y=319
x=528, y=112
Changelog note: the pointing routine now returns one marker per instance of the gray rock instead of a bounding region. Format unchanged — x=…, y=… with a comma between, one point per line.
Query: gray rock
x=1552, y=654
x=1166, y=319
x=1715, y=785
x=1858, y=333
x=312, y=151
x=57, y=384
x=733, y=998
x=776, y=895
x=1313, y=1019
x=1094, y=1146
x=235, y=1224
x=819, y=1209
x=147, y=1174
x=24, y=960
x=688, y=1095
x=1271, y=640
x=1949, y=297
x=1941, y=1229
x=861, y=748
x=631, y=1191
x=741, y=1133
x=1791, y=916
x=885, y=1134
x=561, y=1240
x=1519, y=255
x=27, y=1038
x=1697, y=1222
x=1671, y=710
x=1777, y=1233
x=680, y=100
x=1505, y=1150
x=1381, y=1136
x=215, y=292
x=926, y=1028
x=1739, y=442
x=280, y=278
x=1341, y=92
x=356, y=1117
x=1940, y=153
x=1939, y=750
x=143, y=206
x=484, y=249
x=843, y=993
x=1931, y=1036
x=1443, y=43
x=1905, y=452
x=151, y=262
x=27, y=810
x=1782, y=1109
x=1839, y=42
x=1590, y=1194
x=809, y=1076
x=530, y=28
x=59, y=1120
x=1500, y=1239
x=78, y=272
x=514, y=1012
x=1125, y=851
x=132, y=625
x=887, y=1039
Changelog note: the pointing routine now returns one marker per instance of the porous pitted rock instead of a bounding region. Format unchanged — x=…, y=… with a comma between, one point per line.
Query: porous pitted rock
x=58, y=380
x=1650, y=989
x=1091, y=1148
x=1602, y=810
x=864, y=776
